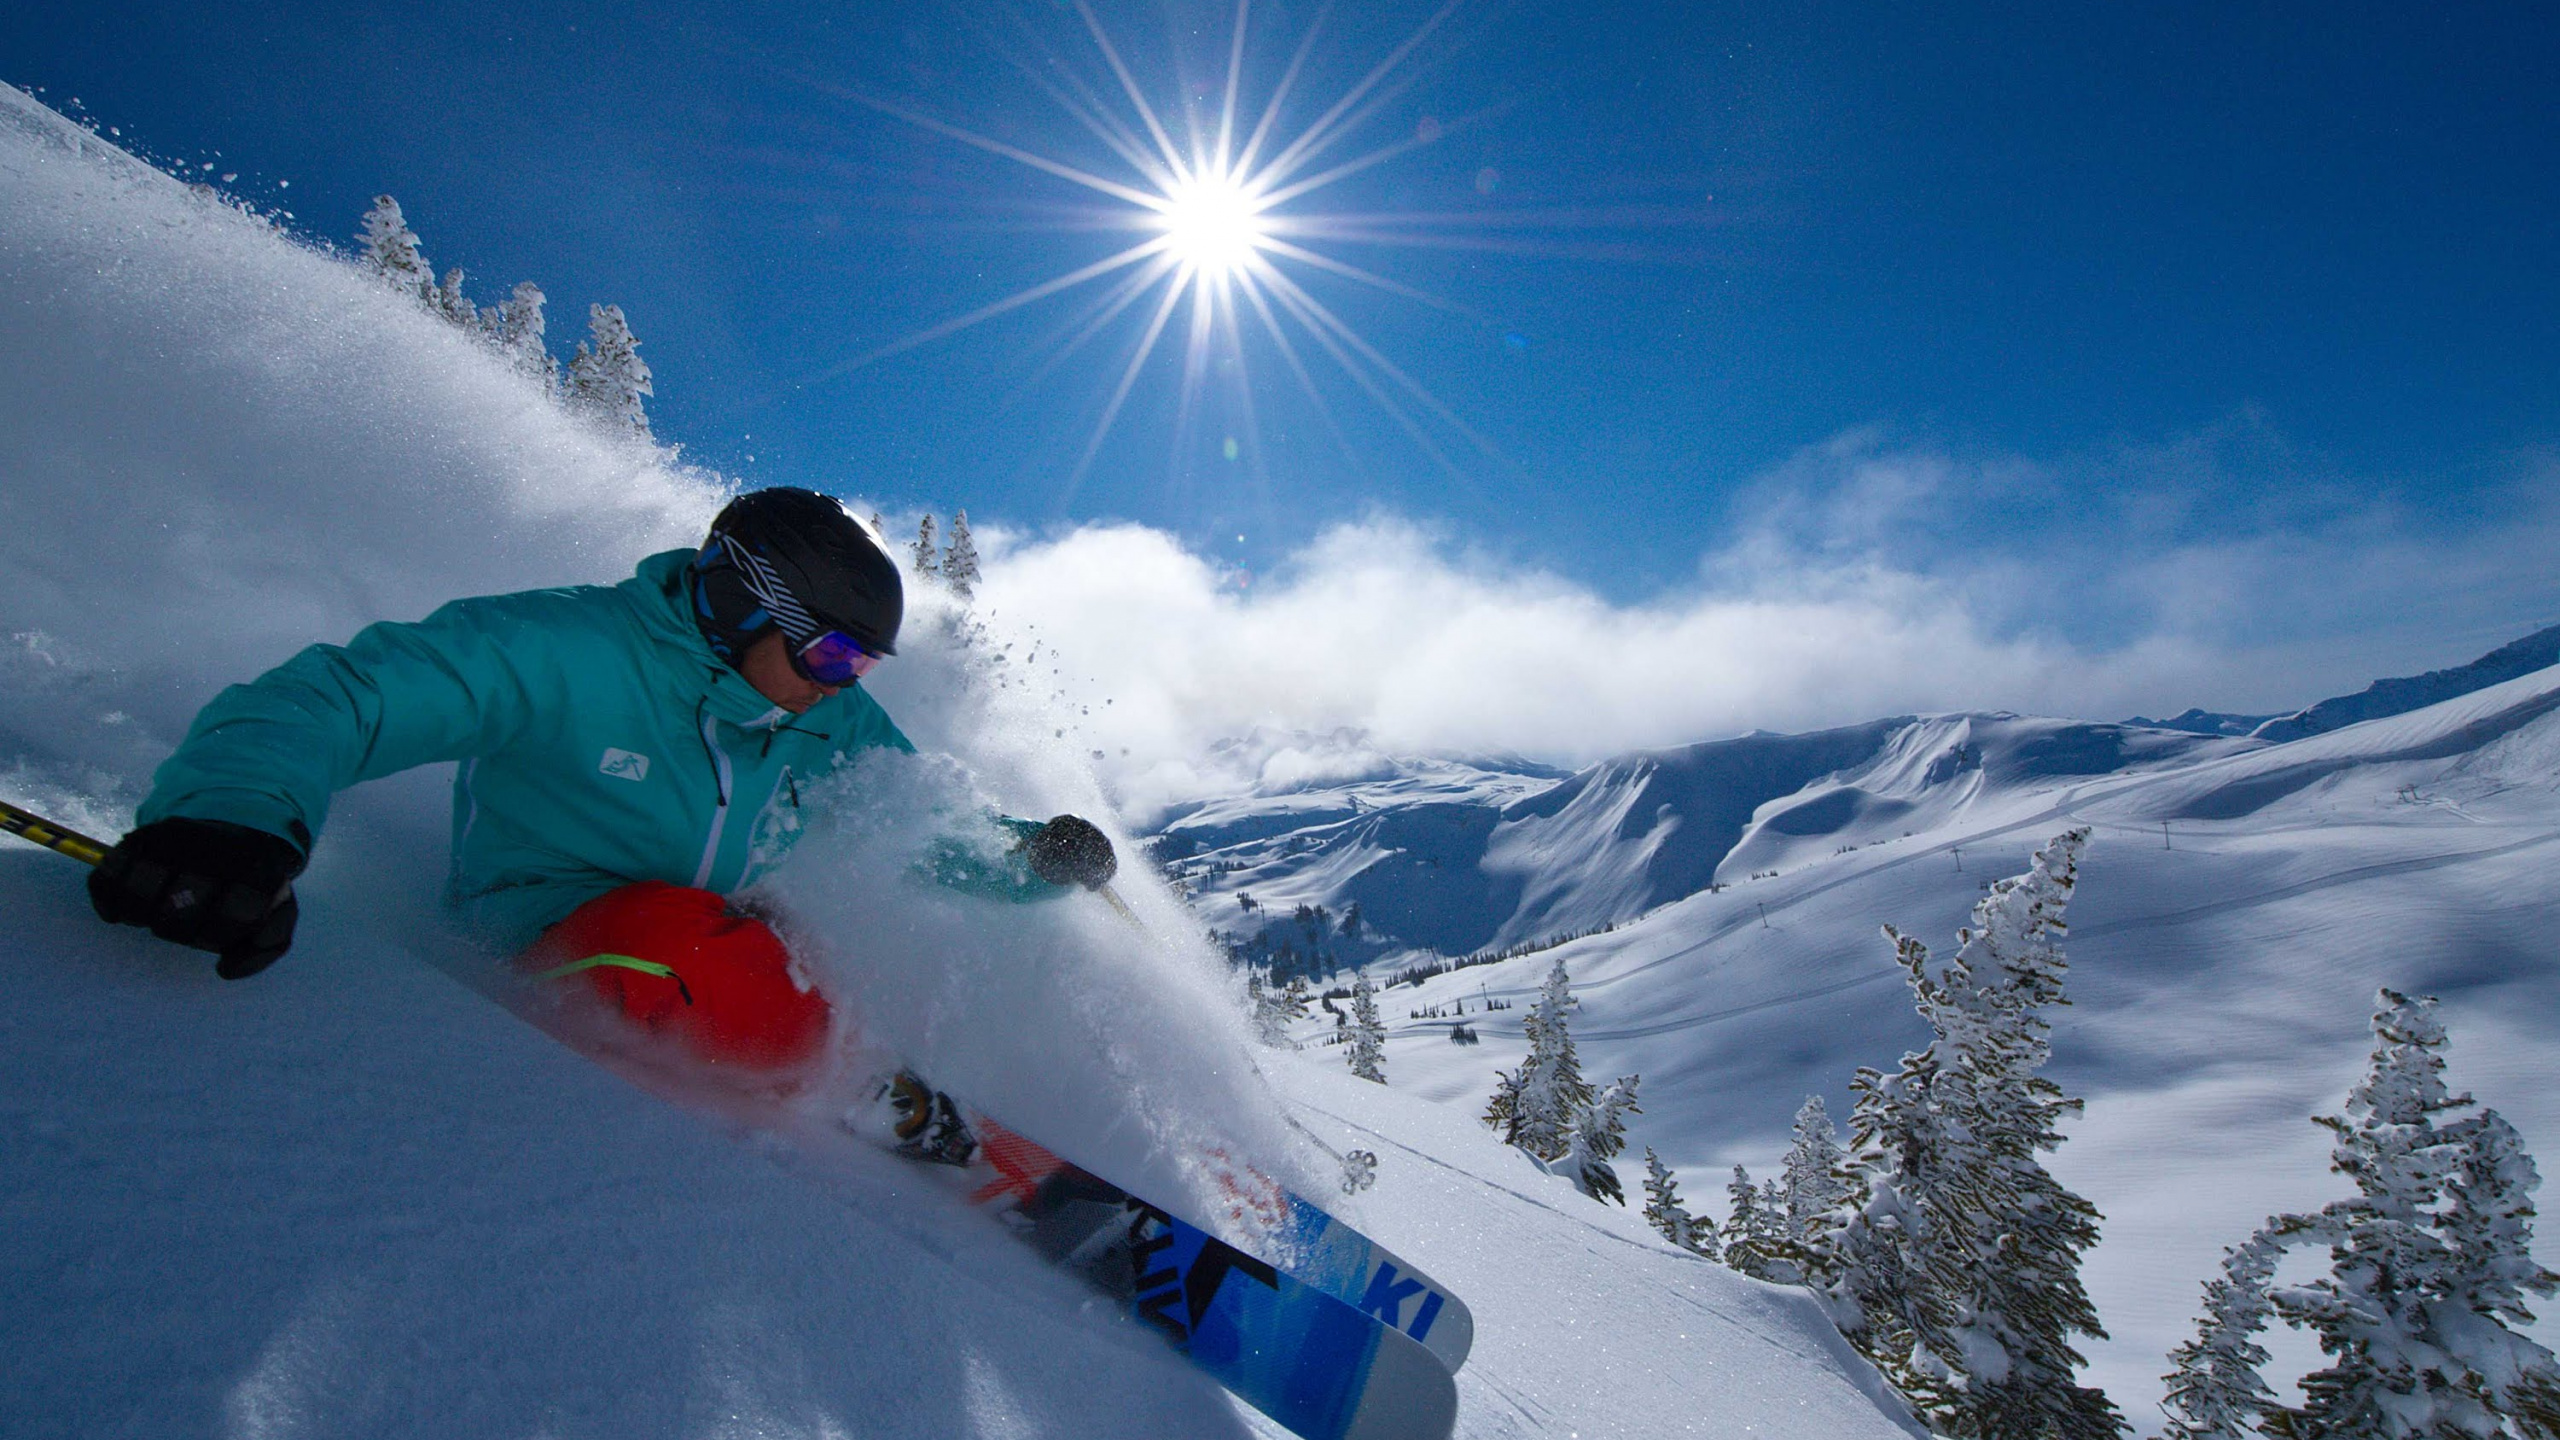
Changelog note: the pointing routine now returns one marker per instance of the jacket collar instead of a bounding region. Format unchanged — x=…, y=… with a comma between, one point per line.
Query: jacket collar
x=659, y=591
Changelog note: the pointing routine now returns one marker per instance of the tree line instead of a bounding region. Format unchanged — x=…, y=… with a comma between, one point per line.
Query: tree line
x=1949, y=1256
x=606, y=378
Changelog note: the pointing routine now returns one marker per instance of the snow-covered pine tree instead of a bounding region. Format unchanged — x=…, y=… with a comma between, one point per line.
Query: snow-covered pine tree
x=1663, y=1209
x=1599, y=1133
x=2429, y=1265
x=2215, y=1392
x=448, y=301
x=1368, y=1057
x=1754, y=1235
x=607, y=377
x=920, y=556
x=960, y=558
x=2488, y=1224
x=1869, y=1279
x=1537, y=1106
x=1274, y=1011
x=1813, y=1186
x=1959, y=1274
x=514, y=326
x=1294, y=995
x=391, y=251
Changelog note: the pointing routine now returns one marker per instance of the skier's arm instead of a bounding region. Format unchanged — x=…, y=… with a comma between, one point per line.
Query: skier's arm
x=1020, y=861
x=270, y=754
x=991, y=871
x=1038, y=860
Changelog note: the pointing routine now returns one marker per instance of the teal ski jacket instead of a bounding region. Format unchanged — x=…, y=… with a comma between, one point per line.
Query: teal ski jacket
x=600, y=740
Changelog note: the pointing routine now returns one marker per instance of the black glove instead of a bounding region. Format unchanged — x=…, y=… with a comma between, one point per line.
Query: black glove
x=1070, y=851
x=206, y=883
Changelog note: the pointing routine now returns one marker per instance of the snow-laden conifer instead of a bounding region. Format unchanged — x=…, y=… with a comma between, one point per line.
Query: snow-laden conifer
x=960, y=557
x=2429, y=1264
x=920, y=556
x=391, y=251
x=1755, y=1235
x=1368, y=1045
x=1662, y=1208
x=448, y=301
x=514, y=328
x=1599, y=1133
x=1959, y=1273
x=2215, y=1393
x=1275, y=1010
x=1537, y=1106
x=607, y=377
x=1813, y=1185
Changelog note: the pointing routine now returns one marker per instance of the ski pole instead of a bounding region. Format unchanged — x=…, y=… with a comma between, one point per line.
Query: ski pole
x=1122, y=906
x=59, y=839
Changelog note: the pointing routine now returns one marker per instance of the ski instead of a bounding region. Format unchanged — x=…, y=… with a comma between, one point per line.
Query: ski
x=1318, y=1364
x=1323, y=1250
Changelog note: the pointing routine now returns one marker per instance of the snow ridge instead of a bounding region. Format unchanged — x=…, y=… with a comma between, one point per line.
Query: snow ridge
x=2399, y=696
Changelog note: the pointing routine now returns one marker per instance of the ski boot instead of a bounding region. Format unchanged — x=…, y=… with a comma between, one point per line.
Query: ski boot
x=914, y=1119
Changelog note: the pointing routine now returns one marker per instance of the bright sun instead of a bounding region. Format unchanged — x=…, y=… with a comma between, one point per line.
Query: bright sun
x=1212, y=223
x=1223, y=224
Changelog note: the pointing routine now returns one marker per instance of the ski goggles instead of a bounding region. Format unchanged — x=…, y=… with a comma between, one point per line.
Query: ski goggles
x=834, y=658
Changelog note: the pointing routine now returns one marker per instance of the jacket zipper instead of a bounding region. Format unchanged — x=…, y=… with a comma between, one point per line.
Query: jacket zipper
x=720, y=815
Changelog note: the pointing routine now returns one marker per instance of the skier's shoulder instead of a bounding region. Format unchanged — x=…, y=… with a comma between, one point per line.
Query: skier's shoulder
x=570, y=612
x=861, y=723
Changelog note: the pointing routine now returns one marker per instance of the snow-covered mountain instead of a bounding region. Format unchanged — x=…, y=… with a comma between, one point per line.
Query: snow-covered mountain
x=2197, y=720
x=1458, y=856
x=2240, y=904
x=352, y=1197
x=2399, y=696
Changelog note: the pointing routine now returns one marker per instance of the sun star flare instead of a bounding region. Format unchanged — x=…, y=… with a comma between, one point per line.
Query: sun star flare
x=1211, y=213
x=1213, y=224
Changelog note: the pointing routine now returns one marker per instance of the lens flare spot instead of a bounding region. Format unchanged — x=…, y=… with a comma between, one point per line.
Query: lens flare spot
x=1212, y=223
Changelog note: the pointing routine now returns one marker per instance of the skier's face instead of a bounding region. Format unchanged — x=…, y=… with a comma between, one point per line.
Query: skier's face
x=767, y=666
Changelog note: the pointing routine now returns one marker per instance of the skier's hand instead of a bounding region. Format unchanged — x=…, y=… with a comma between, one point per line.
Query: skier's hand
x=206, y=883
x=1070, y=851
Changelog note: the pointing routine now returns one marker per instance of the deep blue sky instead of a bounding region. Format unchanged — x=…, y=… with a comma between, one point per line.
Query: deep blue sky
x=2059, y=234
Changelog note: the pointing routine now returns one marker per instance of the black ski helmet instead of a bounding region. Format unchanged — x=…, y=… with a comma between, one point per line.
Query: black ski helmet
x=796, y=561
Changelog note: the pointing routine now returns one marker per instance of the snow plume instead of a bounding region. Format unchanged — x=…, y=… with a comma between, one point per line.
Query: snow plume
x=1032, y=1011
x=217, y=446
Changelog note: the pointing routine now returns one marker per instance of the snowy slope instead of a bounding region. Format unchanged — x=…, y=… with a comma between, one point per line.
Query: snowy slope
x=354, y=1198
x=2222, y=969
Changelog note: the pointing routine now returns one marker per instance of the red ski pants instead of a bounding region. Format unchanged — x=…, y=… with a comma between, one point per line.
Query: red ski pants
x=678, y=963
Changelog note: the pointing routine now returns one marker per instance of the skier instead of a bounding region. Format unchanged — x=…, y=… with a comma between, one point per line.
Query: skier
x=630, y=756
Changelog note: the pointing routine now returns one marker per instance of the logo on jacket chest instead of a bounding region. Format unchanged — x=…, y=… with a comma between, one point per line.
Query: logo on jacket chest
x=623, y=764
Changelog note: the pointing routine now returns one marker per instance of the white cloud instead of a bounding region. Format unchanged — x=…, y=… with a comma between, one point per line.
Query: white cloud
x=1866, y=582
x=1379, y=626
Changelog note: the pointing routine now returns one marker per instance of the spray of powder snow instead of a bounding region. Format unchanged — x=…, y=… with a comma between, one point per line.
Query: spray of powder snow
x=217, y=446
x=1119, y=1040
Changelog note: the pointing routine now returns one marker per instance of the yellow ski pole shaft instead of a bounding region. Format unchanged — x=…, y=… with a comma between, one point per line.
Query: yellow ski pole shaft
x=29, y=826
